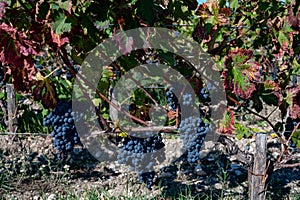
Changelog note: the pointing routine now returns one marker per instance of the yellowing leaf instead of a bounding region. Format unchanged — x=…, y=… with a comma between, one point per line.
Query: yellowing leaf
x=123, y=134
x=274, y=135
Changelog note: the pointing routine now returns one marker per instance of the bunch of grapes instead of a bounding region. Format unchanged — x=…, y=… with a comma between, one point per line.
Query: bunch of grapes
x=147, y=178
x=289, y=128
x=274, y=72
x=187, y=99
x=4, y=77
x=193, y=132
x=55, y=65
x=136, y=150
x=64, y=132
x=68, y=73
x=172, y=99
x=1, y=79
x=204, y=95
x=38, y=63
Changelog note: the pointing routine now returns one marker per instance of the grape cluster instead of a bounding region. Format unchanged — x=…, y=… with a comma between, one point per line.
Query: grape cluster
x=204, y=95
x=55, y=65
x=38, y=63
x=187, y=99
x=1, y=78
x=147, y=178
x=68, y=73
x=171, y=98
x=289, y=127
x=64, y=133
x=136, y=150
x=294, y=80
x=57, y=70
x=274, y=72
x=193, y=132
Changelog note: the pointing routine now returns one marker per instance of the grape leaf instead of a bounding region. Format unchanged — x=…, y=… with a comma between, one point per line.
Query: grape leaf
x=42, y=10
x=227, y=123
x=234, y=4
x=16, y=51
x=44, y=90
x=58, y=40
x=296, y=67
x=294, y=103
x=60, y=25
x=296, y=138
x=241, y=131
x=282, y=39
x=3, y=6
x=243, y=73
x=67, y=5
x=270, y=99
x=290, y=101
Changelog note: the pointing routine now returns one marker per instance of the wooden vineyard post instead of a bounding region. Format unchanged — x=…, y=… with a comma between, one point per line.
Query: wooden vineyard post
x=11, y=108
x=256, y=175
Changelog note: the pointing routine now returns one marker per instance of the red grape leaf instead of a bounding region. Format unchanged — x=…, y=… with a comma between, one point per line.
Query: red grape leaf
x=271, y=85
x=294, y=19
x=293, y=99
x=44, y=90
x=3, y=6
x=290, y=101
x=125, y=43
x=16, y=52
x=227, y=123
x=241, y=74
x=58, y=40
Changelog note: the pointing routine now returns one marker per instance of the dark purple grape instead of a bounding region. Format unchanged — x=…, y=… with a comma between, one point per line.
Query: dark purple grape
x=64, y=133
x=171, y=98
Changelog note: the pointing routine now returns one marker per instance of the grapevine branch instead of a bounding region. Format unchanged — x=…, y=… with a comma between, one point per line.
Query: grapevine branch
x=140, y=86
x=26, y=9
x=285, y=146
x=253, y=112
x=145, y=91
x=73, y=73
x=4, y=112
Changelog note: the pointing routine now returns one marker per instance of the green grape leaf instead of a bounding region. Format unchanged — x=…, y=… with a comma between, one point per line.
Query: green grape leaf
x=60, y=25
x=296, y=138
x=241, y=131
x=43, y=10
x=282, y=39
x=234, y=4
x=66, y=5
x=239, y=136
x=227, y=123
x=270, y=99
x=296, y=67
x=105, y=116
x=239, y=79
x=97, y=101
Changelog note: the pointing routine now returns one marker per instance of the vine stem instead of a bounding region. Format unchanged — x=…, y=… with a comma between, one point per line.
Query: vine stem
x=73, y=73
x=64, y=56
x=251, y=111
x=4, y=112
x=285, y=146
